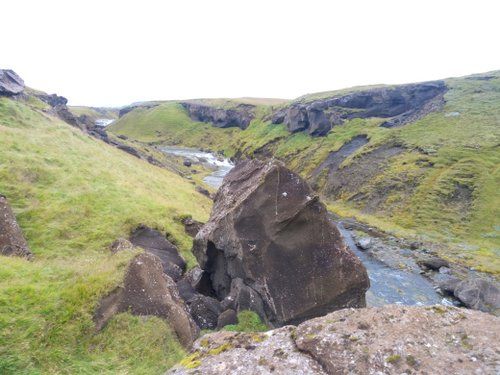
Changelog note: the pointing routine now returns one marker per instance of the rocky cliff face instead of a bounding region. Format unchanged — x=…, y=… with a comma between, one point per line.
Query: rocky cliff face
x=270, y=247
x=239, y=116
x=387, y=340
x=10, y=83
x=399, y=104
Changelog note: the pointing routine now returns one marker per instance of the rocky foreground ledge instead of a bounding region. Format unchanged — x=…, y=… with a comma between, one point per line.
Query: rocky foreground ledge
x=388, y=340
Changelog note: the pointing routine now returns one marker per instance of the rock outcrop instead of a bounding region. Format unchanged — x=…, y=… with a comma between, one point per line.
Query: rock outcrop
x=153, y=242
x=387, y=340
x=239, y=116
x=12, y=241
x=401, y=104
x=10, y=83
x=270, y=247
x=147, y=290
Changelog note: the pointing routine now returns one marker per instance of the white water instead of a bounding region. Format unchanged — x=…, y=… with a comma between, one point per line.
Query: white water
x=220, y=165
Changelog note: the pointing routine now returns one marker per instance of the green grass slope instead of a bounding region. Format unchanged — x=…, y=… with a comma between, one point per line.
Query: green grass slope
x=73, y=196
x=94, y=113
x=442, y=188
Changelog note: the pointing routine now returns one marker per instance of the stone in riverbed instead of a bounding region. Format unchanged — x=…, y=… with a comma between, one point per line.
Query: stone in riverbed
x=12, y=241
x=433, y=263
x=364, y=243
x=479, y=294
x=270, y=236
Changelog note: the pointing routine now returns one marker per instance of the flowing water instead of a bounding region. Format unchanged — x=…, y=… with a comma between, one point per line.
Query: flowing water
x=391, y=285
x=388, y=285
x=220, y=166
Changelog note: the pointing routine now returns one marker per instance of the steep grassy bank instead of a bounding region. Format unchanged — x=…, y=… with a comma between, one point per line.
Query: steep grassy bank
x=434, y=179
x=73, y=195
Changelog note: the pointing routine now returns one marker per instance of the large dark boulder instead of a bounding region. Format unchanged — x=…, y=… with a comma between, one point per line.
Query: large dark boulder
x=147, y=290
x=238, y=116
x=270, y=246
x=479, y=294
x=156, y=243
x=10, y=83
x=12, y=241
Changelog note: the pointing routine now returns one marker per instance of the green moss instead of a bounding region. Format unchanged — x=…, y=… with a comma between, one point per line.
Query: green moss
x=393, y=359
x=191, y=361
x=222, y=348
x=248, y=321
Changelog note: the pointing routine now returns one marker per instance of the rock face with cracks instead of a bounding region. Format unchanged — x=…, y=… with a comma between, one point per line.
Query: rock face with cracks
x=386, y=340
x=12, y=241
x=270, y=247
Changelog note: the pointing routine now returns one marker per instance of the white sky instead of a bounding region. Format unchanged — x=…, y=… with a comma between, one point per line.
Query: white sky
x=112, y=53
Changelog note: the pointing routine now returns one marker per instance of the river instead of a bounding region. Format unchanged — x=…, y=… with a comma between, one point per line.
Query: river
x=219, y=165
x=388, y=285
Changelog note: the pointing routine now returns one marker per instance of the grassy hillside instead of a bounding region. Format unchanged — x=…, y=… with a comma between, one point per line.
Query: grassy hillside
x=441, y=187
x=73, y=196
x=94, y=113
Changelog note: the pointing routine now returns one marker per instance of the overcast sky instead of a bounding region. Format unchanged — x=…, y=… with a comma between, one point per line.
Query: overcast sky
x=112, y=53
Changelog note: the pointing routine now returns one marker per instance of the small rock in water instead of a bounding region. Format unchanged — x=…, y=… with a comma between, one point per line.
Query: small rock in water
x=364, y=243
x=434, y=263
x=187, y=163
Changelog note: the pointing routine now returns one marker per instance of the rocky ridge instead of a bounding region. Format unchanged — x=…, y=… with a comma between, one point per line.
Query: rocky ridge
x=399, y=104
x=238, y=116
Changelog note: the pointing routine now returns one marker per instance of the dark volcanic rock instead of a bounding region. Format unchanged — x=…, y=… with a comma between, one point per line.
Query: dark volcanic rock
x=239, y=116
x=203, y=191
x=479, y=294
x=10, y=83
x=269, y=243
x=148, y=291
x=53, y=100
x=205, y=311
x=192, y=227
x=12, y=241
x=226, y=318
x=401, y=104
x=434, y=263
x=129, y=149
x=155, y=243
